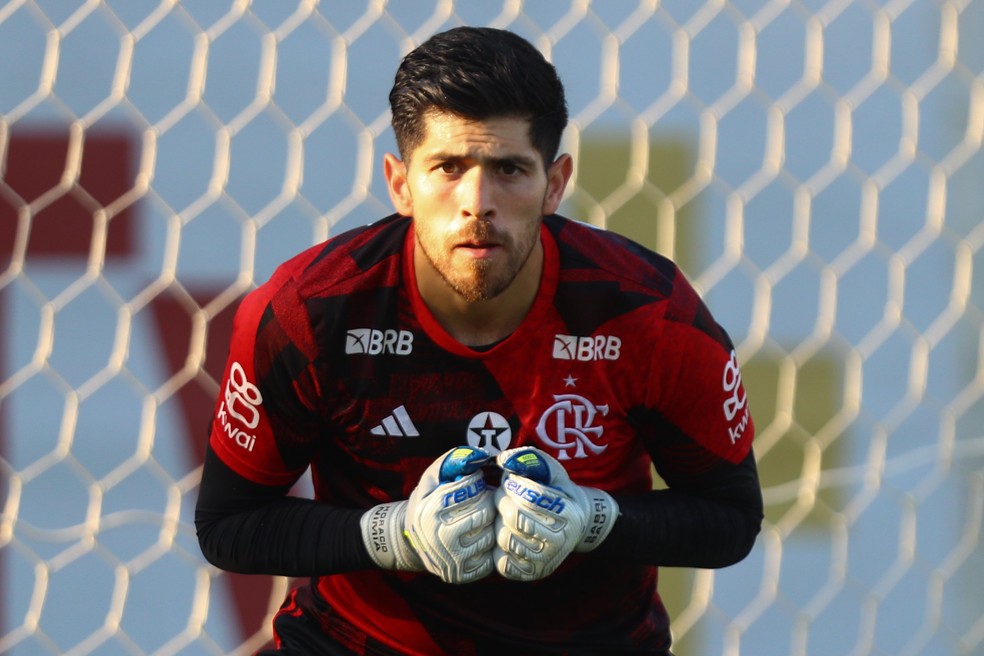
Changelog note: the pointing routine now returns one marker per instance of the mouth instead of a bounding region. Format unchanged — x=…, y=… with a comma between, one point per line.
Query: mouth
x=478, y=249
x=478, y=246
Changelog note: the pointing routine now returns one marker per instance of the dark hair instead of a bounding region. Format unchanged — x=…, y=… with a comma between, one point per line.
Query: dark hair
x=478, y=73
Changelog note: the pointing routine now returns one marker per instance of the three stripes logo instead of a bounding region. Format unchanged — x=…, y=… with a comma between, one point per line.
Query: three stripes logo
x=396, y=424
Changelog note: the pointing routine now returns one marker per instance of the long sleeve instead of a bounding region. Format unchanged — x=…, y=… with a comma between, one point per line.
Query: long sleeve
x=257, y=529
x=710, y=522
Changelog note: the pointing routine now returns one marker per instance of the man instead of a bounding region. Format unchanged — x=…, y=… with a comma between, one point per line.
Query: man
x=475, y=335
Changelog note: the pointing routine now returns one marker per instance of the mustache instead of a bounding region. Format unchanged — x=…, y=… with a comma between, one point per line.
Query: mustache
x=480, y=232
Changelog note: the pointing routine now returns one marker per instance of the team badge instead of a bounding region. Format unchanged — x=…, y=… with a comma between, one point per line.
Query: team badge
x=571, y=426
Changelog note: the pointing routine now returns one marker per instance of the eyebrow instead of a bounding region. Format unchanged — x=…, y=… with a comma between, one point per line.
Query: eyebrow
x=515, y=160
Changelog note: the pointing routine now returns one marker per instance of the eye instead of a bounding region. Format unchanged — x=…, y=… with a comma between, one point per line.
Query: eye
x=448, y=167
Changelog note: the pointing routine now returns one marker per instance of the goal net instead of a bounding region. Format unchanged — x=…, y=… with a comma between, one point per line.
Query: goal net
x=814, y=166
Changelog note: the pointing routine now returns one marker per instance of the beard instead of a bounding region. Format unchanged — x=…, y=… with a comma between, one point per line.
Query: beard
x=481, y=279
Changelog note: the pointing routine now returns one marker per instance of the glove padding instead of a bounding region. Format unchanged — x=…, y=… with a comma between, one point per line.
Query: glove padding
x=450, y=517
x=544, y=516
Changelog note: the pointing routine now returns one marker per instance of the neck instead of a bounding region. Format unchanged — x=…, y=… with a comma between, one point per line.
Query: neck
x=480, y=323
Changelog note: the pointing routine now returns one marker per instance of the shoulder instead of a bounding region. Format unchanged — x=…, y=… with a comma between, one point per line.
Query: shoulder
x=583, y=247
x=368, y=254
x=365, y=258
x=600, y=269
x=609, y=263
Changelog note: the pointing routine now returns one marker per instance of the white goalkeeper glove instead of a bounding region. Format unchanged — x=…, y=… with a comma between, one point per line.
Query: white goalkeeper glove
x=544, y=516
x=450, y=517
x=444, y=527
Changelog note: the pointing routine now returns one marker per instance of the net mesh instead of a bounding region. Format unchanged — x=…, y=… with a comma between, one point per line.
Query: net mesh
x=813, y=165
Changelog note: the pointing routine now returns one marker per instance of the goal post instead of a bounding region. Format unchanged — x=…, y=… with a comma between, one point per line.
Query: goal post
x=814, y=167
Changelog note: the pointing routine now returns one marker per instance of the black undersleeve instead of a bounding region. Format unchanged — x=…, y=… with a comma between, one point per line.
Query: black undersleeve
x=255, y=529
x=711, y=524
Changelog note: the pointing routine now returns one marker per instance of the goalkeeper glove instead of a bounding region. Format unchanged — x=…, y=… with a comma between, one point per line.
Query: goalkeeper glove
x=444, y=527
x=544, y=516
x=450, y=517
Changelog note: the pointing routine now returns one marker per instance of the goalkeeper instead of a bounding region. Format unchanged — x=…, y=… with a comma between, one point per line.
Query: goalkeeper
x=481, y=389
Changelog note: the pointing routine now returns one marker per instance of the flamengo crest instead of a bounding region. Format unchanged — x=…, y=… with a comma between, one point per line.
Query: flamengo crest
x=569, y=425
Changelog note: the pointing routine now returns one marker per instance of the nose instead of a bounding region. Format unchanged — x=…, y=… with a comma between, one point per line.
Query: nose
x=476, y=194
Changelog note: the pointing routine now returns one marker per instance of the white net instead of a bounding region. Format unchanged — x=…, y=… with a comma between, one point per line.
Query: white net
x=815, y=166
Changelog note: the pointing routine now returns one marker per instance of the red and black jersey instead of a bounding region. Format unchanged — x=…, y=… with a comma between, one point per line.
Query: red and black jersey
x=337, y=364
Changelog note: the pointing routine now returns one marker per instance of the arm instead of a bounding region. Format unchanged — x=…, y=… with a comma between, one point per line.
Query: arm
x=698, y=429
x=710, y=521
x=251, y=528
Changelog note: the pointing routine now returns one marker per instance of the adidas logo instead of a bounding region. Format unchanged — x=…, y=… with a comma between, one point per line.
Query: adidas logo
x=396, y=424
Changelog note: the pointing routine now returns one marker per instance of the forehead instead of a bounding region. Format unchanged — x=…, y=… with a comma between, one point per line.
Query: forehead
x=450, y=133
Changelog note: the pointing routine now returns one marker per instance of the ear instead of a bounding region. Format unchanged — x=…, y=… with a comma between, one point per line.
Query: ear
x=395, y=172
x=558, y=175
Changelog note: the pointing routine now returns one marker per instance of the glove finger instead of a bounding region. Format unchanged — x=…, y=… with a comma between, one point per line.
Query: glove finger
x=522, y=544
x=535, y=464
x=452, y=466
x=513, y=568
x=533, y=527
x=462, y=461
x=478, y=566
x=480, y=541
x=528, y=462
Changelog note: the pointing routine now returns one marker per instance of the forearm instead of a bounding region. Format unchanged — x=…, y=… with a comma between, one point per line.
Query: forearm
x=251, y=529
x=708, y=528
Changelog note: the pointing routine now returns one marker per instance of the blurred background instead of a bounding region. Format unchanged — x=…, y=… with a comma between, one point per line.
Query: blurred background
x=814, y=166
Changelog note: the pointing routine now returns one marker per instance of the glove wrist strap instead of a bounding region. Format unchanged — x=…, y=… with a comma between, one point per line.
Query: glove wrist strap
x=382, y=533
x=602, y=513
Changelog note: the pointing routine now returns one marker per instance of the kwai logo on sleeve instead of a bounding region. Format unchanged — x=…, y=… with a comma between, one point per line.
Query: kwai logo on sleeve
x=736, y=401
x=239, y=412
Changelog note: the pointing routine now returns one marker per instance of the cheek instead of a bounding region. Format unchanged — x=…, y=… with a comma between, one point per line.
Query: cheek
x=431, y=240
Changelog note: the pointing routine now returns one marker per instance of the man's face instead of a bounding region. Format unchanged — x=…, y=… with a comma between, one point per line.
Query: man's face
x=477, y=191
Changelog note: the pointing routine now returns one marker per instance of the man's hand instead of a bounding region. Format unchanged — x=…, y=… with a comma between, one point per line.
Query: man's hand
x=444, y=527
x=544, y=516
x=450, y=517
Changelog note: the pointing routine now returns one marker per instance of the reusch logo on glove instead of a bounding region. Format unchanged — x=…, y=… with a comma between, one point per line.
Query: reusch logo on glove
x=548, y=503
x=465, y=493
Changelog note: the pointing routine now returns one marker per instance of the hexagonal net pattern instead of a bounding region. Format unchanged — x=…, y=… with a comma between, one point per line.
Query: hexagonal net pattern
x=814, y=166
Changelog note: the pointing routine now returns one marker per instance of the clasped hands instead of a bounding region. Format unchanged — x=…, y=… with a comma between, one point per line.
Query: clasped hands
x=459, y=528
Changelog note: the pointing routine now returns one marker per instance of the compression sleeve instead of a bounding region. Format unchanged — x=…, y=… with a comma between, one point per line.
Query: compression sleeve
x=251, y=528
x=712, y=522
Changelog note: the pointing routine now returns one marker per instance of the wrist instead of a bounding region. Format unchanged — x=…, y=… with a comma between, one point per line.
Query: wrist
x=384, y=538
x=602, y=512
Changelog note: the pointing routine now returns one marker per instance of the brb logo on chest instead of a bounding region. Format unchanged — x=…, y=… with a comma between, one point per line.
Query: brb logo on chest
x=586, y=349
x=240, y=408
x=371, y=341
